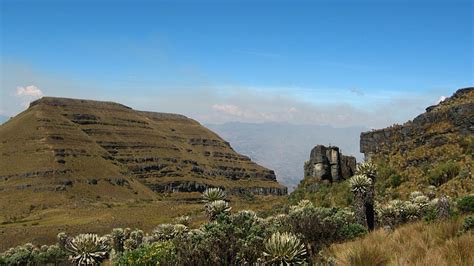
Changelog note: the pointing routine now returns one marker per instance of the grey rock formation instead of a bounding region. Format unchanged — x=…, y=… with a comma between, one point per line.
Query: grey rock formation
x=327, y=163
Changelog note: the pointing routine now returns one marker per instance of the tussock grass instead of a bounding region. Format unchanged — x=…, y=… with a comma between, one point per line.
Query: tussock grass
x=412, y=244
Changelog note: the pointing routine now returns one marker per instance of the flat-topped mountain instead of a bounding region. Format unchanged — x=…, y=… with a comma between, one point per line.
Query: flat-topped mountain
x=89, y=166
x=105, y=149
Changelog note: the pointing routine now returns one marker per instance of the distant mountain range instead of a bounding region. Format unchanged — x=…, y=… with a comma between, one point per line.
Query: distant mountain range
x=285, y=147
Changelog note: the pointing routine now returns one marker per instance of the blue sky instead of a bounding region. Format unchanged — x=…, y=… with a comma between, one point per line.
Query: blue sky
x=372, y=63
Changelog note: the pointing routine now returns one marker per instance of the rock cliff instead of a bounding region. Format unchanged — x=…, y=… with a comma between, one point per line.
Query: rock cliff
x=455, y=115
x=328, y=163
x=418, y=151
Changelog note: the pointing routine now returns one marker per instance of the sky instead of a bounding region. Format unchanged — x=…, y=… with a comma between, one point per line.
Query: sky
x=339, y=63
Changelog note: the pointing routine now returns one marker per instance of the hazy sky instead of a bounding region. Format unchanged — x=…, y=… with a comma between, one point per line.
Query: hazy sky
x=370, y=63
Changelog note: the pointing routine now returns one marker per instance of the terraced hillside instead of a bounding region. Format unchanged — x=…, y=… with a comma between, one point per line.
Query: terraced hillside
x=80, y=165
x=63, y=144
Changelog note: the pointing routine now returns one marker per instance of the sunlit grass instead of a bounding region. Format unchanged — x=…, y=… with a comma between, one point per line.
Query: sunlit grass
x=413, y=244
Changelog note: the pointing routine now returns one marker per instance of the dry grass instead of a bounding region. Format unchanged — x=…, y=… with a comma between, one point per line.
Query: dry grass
x=413, y=244
x=41, y=225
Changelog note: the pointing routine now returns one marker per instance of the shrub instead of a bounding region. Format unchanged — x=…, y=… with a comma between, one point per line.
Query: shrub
x=395, y=180
x=397, y=212
x=317, y=226
x=360, y=184
x=217, y=207
x=150, y=254
x=352, y=230
x=443, y=173
x=87, y=249
x=466, y=204
x=50, y=255
x=20, y=255
x=368, y=169
x=362, y=188
x=164, y=232
x=283, y=249
x=134, y=241
x=213, y=194
x=184, y=220
x=430, y=215
x=118, y=237
x=384, y=171
x=467, y=224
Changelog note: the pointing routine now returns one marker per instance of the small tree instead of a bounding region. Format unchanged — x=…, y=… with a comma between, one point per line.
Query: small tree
x=361, y=186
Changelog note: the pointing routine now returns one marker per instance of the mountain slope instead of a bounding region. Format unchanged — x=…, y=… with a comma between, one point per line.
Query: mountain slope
x=436, y=148
x=107, y=149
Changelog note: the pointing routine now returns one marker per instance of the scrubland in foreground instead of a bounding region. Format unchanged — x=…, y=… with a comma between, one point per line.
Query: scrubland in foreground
x=438, y=243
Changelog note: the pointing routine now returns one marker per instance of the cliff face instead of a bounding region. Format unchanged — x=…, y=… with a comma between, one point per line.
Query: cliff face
x=443, y=133
x=327, y=163
x=455, y=115
x=108, y=149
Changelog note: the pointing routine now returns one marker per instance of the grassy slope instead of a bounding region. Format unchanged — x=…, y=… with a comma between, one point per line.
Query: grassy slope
x=40, y=226
x=33, y=210
x=412, y=244
x=415, y=159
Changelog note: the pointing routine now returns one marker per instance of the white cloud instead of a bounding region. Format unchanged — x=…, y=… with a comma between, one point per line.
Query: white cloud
x=28, y=94
x=228, y=109
x=442, y=98
x=29, y=91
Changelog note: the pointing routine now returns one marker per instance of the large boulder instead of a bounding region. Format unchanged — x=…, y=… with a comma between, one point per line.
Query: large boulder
x=328, y=163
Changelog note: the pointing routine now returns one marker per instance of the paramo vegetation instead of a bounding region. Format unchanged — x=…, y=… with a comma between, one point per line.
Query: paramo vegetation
x=302, y=234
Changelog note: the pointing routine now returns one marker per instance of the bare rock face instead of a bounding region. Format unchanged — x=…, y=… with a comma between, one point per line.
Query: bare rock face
x=328, y=163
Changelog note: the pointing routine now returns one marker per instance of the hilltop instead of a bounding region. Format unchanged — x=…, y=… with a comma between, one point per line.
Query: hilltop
x=99, y=143
x=77, y=162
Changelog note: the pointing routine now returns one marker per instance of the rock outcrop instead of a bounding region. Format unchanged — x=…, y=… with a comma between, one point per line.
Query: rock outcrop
x=328, y=163
x=434, y=128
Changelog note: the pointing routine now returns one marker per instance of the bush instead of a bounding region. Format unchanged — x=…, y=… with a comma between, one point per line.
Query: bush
x=443, y=173
x=317, y=226
x=284, y=249
x=466, y=204
x=384, y=171
x=87, y=249
x=395, y=180
x=398, y=212
x=467, y=224
x=217, y=207
x=235, y=239
x=213, y=194
x=149, y=254
x=352, y=230
x=31, y=255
